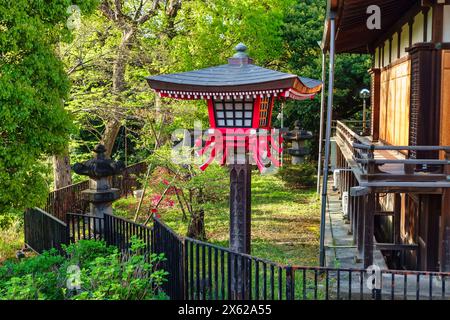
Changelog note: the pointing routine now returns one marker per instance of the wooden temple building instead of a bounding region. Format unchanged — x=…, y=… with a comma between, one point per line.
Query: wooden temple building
x=398, y=177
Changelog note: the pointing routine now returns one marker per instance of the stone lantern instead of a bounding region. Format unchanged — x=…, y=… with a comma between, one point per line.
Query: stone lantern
x=100, y=169
x=298, y=137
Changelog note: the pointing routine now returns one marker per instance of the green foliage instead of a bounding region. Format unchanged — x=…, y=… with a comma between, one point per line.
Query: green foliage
x=299, y=176
x=209, y=31
x=86, y=251
x=33, y=122
x=11, y=236
x=202, y=34
x=112, y=278
x=302, y=29
x=104, y=274
x=38, y=277
x=195, y=186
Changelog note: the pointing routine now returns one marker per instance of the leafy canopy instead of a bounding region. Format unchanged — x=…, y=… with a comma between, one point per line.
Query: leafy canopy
x=33, y=122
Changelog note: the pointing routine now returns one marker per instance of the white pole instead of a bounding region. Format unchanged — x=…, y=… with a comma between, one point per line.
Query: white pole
x=327, y=139
x=322, y=113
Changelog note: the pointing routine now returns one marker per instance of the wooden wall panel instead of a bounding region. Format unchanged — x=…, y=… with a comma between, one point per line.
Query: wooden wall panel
x=445, y=106
x=394, y=104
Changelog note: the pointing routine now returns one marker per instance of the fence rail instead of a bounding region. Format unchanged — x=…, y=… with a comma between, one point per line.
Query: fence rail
x=203, y=271
x=43, y=231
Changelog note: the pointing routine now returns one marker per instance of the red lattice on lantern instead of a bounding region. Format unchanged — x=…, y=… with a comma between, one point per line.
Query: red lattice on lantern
x=259, y=145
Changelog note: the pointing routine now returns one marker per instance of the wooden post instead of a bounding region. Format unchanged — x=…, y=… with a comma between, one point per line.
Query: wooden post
x=360, y=194
x=445, y=224
x=240, y=222
x=397, y=215
x=369, y=210
x=375, y=96
x=371, y=156
x=240, y=207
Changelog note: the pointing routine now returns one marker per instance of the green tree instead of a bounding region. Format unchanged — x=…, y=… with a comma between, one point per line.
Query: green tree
x=303, y=28
x=33, y=122
x=175, y=36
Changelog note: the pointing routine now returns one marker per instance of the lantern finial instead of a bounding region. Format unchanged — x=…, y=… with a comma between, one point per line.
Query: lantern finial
x=241, y=56
x=240, y=51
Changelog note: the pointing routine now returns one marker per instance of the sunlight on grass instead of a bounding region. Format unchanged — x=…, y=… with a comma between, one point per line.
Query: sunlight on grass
x=11, y=240
x=285, y=221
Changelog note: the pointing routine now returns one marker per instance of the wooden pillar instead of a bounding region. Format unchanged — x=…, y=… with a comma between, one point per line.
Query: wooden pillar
x=444, y=256
x=351, y=201
x=240, y=224
x=425, y=102
x=375, y=101
x=240, y=208
x=369, y=211
x=360, y=226
x=397, y=216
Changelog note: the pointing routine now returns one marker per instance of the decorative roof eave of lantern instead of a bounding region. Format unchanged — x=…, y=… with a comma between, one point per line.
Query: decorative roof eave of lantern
x=239, y=78
x=240, y=98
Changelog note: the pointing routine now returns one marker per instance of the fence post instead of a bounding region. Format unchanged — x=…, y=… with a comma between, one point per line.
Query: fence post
x=290, y=284
x=106, y=229
x=185, y=262
x=376, y=294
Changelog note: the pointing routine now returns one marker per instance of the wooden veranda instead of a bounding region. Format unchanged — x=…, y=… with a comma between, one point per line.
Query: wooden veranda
x=371, y=170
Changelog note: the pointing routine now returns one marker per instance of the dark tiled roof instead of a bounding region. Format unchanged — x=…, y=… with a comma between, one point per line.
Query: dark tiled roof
x=231, y=77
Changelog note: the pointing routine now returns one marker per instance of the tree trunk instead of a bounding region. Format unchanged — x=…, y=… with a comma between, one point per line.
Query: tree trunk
x=196, y=229
x=112, y=129
x=112, y=126
x=61, y=170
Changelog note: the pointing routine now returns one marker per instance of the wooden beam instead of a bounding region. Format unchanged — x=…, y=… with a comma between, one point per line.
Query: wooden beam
x=396, y=247
x=397, y=27
x=444, y=243
x=384, y=213
x=359, y=191
x=375, y=100
x=438, y=23
x=397, y=218
x=360, y=226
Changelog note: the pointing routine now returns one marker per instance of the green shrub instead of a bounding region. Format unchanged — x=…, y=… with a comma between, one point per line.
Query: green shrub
x=103, y=271
x=298, y=176
x=86, y=251
x=114, y=278
x=34, y=278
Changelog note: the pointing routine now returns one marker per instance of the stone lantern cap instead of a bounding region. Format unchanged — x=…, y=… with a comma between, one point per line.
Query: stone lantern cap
x=99, y=167
x=298, y=134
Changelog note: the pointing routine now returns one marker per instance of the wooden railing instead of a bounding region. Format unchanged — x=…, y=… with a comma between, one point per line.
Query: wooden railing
x=69, y=199
x=373, y=166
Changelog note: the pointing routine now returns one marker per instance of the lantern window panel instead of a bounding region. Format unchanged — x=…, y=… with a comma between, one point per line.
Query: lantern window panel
x=234, y=113
x=264, y=111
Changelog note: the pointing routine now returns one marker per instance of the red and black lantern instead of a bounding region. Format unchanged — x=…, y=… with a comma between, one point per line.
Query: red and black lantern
x=240, y=97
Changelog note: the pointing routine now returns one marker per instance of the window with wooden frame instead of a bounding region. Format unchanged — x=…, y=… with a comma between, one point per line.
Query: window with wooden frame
x=233, y=113
x=264, y=111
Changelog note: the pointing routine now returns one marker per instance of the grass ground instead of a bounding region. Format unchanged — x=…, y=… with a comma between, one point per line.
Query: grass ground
x=11, y=240
x=285, y=221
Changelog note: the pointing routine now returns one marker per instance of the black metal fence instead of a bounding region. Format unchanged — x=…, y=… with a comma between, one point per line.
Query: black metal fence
x=43, y=231
x=203, y=271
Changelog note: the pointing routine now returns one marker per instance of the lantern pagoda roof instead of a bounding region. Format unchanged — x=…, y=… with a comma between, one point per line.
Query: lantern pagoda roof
x=240, y=77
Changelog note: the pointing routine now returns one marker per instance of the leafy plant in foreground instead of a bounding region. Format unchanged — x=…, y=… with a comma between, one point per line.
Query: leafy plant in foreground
x=105, y=273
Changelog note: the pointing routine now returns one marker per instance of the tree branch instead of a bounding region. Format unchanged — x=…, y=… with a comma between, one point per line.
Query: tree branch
x=105, y=8
x=152, y=12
